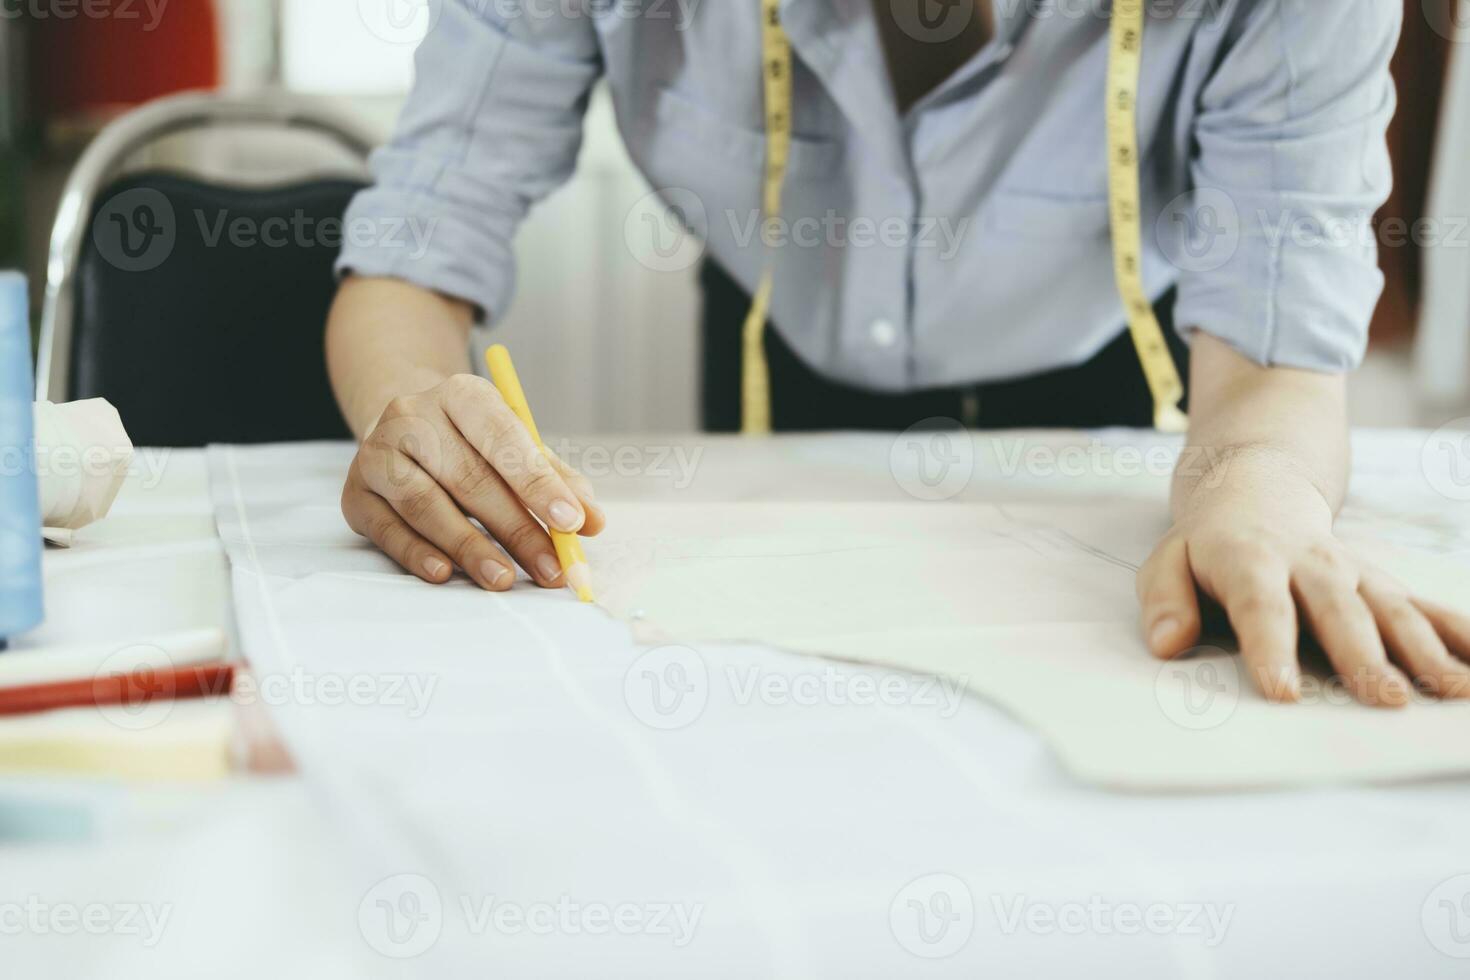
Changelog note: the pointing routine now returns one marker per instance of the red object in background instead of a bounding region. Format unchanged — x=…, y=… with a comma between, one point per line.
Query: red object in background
x=117, y=53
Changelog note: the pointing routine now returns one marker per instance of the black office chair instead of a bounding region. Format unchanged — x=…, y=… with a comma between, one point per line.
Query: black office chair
x=197, y=308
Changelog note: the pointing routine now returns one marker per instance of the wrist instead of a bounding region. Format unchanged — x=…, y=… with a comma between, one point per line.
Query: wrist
x=1268, y=480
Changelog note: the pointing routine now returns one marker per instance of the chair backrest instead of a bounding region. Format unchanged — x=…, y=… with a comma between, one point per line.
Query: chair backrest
x=199, y=309
x=197, y=306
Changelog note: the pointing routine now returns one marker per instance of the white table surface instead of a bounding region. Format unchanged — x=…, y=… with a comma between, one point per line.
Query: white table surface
x=809, y=837
x=815, y=837
x=235, y=872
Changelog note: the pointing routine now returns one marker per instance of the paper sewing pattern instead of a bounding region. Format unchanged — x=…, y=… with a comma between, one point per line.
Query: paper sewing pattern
x=1028, y=605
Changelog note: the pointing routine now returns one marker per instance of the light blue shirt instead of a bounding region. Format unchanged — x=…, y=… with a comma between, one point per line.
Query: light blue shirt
x=964, y=240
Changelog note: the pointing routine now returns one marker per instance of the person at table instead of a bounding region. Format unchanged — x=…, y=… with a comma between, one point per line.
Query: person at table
x=988, y=121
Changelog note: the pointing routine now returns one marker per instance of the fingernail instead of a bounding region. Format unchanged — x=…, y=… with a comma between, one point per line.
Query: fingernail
x=548, y=568
x=494, y=573
x=434, y=567
x=565, y=516
x=1162, y=631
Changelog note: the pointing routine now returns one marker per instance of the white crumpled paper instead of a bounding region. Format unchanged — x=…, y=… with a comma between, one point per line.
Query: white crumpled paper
x=82, y=457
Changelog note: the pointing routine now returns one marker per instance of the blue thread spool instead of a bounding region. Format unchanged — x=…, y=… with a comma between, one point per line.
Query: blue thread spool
x=20, y=508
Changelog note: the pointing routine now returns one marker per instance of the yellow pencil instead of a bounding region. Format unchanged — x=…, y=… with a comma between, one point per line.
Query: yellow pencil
x=568, y=546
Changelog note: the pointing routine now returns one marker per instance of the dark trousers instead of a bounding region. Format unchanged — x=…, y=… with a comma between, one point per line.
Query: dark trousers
x=1107, y=390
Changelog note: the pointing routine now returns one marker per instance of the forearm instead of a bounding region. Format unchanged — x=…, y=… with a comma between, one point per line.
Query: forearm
x=387, y=338
x=1274, y=434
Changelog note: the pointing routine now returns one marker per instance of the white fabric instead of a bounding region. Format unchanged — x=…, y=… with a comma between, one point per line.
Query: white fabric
x=244, y=875
x=548, y=763
x=82, y=459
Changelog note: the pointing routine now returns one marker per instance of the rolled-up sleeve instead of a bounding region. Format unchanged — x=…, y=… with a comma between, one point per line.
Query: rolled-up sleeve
x=493, y=124
x=1291, y=135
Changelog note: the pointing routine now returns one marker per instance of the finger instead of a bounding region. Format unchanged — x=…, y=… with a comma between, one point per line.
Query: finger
x=1168, y=601
x=429, y=510
x=1344, y=626
x=530, y=545
x=1256, y=594
x=582, y=487
x=475, y=407
x=1412, y=639
x=1453, y=626
x=370, y=516
x=484, y=495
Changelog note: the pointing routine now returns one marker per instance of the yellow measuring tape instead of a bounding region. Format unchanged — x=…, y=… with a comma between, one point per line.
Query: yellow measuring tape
x=1125, y=64
x=755, y=376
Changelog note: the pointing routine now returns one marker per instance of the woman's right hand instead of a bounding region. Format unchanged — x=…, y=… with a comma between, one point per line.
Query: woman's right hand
x=438, y=458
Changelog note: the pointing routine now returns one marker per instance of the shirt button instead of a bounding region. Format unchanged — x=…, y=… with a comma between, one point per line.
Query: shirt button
x=882, y=333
